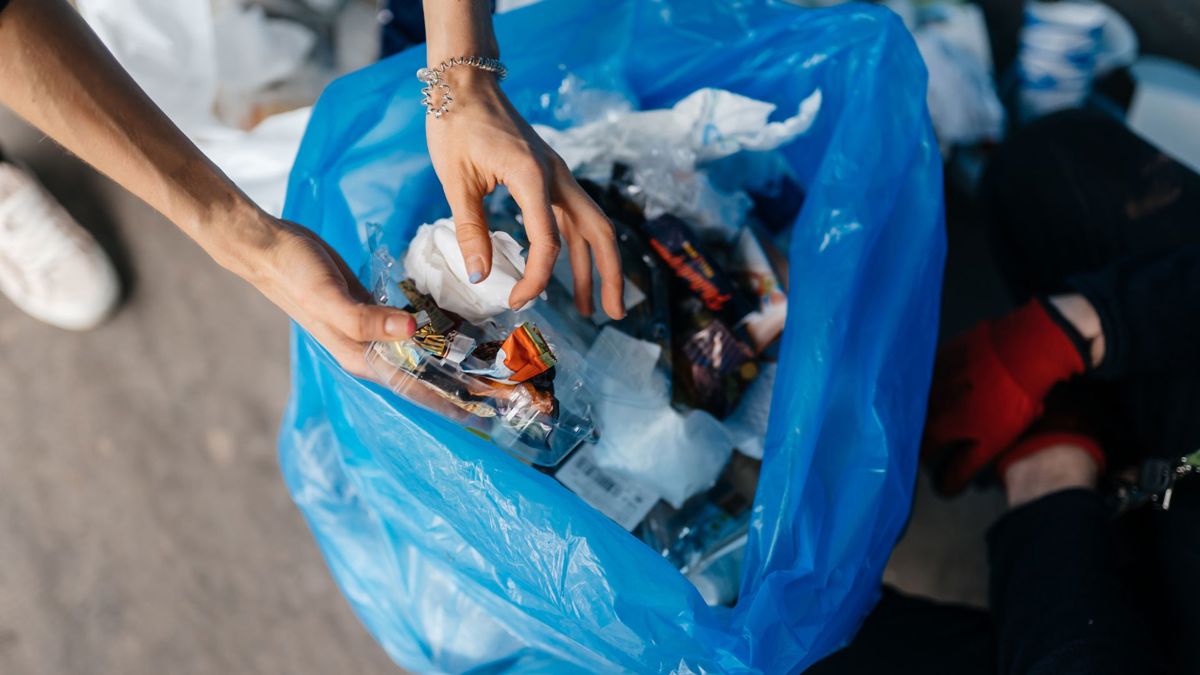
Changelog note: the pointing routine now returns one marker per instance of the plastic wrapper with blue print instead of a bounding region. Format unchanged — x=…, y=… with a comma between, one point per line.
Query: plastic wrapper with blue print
x=460, y=558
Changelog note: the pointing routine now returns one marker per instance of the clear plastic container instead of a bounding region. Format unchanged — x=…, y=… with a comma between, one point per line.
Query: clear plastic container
x=445, y=369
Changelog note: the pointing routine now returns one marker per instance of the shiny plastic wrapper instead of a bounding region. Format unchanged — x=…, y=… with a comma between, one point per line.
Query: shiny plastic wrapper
x=458, y=557
x=498, y=378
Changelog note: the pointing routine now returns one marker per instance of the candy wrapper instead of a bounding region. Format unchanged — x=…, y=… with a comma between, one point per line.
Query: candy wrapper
x=649, y=319
x=675, y=242
x=752, y=268
x=714, y=362
x=714, y=357
x=523, y=355
x=501, y=378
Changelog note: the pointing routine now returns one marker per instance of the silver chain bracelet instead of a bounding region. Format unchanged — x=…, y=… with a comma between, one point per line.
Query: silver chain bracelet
x=432, y=77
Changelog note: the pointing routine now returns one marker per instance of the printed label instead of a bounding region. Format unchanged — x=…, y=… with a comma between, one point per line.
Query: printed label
x=625, y=502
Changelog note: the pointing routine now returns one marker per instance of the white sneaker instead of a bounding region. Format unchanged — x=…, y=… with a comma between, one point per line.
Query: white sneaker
x=50, y=267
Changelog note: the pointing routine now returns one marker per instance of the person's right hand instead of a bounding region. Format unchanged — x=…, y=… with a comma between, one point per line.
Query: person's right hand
x=307, y=279
x=483, y=142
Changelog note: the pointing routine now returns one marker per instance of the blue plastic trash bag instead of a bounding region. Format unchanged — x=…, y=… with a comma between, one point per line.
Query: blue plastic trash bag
x=456, y=556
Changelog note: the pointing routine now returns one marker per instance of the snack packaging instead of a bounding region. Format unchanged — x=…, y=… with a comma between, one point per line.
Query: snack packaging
x=714, y=363
x=522, y=356
x=502, y=379
x=650, y=319
x=678, y=246
x=752, y=268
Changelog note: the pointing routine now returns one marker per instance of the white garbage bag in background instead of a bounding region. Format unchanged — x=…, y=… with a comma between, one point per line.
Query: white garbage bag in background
x=191, y=54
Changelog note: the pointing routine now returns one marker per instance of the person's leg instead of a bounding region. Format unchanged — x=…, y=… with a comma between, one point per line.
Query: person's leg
x=1058, y=603
x=1085, y=211
x=1149, y=312
x=1077, y=191
x=910, y=635
x=1174, y=540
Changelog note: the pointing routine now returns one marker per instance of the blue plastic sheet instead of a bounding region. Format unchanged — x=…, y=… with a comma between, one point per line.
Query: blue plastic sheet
x=457, y=557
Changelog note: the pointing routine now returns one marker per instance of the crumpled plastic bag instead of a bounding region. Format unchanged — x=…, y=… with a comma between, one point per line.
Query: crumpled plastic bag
x=708, y=124
x=664, y=147
x=642, y=438
x=456, y=556
x=953, y=40
x=962, y=95
x=435, y=264
x=188, y=55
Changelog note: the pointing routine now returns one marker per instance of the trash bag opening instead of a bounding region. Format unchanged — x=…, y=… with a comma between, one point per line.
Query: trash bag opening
x=434, y=501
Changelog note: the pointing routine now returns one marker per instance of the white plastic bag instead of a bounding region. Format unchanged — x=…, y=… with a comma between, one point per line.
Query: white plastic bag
x=664, y=147
x=188, y=54
x=642, y=438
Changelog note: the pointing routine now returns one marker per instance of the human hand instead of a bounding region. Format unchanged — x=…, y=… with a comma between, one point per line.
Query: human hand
x=306, y=278
x=483, y=142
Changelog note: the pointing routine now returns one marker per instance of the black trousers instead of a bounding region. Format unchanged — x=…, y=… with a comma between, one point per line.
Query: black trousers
x=1059, y=607
x=1080, y=204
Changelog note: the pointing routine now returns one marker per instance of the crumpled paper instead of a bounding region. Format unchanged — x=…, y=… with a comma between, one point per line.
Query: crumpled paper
x=435, y=264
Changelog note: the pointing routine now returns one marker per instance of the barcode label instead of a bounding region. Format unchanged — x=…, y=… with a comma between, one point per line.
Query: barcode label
x=625, y=502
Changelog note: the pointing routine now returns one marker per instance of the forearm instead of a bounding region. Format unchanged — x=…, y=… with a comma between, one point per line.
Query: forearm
x=55, y=73
x=459, y=28
x=1077, y=311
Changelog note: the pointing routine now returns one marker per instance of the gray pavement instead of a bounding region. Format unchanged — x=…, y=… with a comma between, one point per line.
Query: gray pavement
x=144, y=526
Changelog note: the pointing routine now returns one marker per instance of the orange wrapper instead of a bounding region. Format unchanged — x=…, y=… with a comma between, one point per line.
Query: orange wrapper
x=526, y=353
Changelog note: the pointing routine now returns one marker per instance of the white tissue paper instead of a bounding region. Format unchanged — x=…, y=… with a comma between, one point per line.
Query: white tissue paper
x=435, y=264
x=747, y=425
x=642, y=438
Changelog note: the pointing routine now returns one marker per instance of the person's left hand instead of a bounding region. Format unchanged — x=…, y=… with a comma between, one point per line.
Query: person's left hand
x=305, y=277
x=482, y=142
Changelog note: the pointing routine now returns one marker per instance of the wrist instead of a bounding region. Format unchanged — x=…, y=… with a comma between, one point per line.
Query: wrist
x=241, y=238
x=1079, y=313
x=471, y=89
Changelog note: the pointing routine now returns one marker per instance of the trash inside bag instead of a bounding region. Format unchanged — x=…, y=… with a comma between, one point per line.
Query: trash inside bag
x=458, y=556
x=492, y=370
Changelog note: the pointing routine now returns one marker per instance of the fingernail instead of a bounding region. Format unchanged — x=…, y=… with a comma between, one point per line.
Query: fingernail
x=400, y=325
x=474, y=269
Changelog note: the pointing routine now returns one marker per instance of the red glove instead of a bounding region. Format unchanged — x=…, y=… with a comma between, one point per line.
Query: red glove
x=988, y=387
